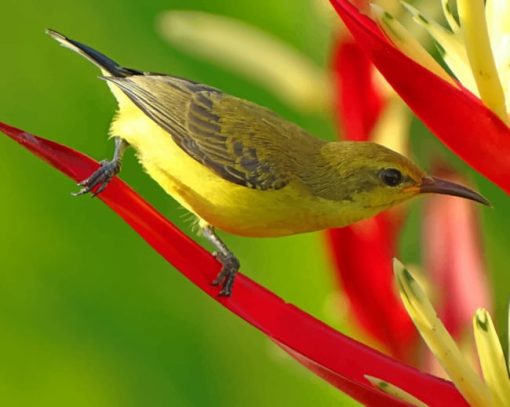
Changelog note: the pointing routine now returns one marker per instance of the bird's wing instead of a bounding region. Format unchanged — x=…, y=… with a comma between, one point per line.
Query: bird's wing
x=234, y=138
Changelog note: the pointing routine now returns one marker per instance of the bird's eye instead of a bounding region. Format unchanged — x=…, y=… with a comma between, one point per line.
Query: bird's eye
x=391, y=176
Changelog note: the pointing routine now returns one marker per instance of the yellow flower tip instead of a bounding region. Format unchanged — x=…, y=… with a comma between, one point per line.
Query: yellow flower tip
x=397, y=266
x=406, y=43
x=450, y=47
x=414, y=298
x=379, y=13
x=393, y=6
x=508, y=336
x=439, y=340
x=478, y=47
x=482, y=319
x=414, y=12
x=417, y=16
x=448, y=14
x=492, y=359
x=386, y=19
x=406, y=280
x=380, y=384
x=400, y=274
x=394, y=391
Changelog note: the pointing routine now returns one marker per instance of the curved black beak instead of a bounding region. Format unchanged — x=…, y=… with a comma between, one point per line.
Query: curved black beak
x=441, y=186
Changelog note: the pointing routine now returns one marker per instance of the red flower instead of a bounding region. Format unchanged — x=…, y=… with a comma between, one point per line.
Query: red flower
x=457, y=117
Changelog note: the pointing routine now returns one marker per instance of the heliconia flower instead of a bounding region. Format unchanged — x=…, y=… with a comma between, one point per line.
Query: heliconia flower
x=251, y=52
x=494, y=389
x=476, y=49
x=475, y=129
x=336, y=358
x=451, y=247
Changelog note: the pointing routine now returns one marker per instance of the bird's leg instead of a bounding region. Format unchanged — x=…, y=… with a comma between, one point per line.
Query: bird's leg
x=229, y=262
x=106, y=172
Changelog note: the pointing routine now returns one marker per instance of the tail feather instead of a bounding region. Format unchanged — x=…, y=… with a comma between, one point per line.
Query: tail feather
x=97, y=58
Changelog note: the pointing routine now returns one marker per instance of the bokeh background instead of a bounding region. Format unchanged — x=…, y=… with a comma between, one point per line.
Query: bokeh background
x=90, y=315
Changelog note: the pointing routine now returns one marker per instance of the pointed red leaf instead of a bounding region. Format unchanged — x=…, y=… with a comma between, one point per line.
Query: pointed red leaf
x=454, y=115
x=358, y=101
x=367, y=248
x=335, y=357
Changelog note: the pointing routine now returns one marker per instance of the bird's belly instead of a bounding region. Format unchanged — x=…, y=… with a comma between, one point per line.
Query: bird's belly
x=221, y=203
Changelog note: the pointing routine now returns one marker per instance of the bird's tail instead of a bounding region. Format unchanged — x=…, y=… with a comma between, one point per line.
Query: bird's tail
x=101, y=60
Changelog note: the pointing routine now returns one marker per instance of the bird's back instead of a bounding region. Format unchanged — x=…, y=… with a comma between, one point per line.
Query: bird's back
x=235, y=164
x=240, y=141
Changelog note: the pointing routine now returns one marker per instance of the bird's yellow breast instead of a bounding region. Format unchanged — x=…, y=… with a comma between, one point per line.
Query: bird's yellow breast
x=234, y=208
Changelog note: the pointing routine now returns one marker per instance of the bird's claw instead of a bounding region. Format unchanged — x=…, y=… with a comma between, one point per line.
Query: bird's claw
x=102, y=176
x=227, y=275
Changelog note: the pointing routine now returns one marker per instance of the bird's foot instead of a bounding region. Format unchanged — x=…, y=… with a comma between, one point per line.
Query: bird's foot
x=101, y=177
x=227, y=275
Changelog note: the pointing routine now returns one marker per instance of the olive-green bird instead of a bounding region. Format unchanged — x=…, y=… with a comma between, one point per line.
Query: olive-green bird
x=241, y=168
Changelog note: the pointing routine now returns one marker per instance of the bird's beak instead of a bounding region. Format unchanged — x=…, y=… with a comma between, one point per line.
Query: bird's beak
x=441, y=186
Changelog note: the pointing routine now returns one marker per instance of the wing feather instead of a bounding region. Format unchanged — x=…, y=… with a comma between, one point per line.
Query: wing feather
x=213, y=129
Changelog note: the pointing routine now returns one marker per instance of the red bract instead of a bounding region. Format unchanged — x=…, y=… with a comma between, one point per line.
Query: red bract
x=367, y=247
x=363, y=256
x=358, y=101
x=335, y=357
x=453, y=114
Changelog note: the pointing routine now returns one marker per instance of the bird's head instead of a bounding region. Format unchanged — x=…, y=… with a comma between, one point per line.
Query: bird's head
x=375, y=177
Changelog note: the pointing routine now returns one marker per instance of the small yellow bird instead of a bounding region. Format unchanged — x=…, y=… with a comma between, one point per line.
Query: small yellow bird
x=241, y=168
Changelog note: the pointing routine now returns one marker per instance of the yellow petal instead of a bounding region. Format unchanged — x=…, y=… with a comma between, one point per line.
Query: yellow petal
x=476, y=39
x=395, y=391
x=450, y=18
x=451, y=48
x=404, y=41
x=508, y=336
x=439, y=340
x=498, y=22
x=390, y=6
x=251, y=52
x=492, y=359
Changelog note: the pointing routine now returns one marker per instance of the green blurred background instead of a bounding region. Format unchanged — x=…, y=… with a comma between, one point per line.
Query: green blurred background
x=90, y=315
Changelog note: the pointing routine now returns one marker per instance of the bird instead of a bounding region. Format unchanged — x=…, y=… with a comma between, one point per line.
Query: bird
x=240, y=168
